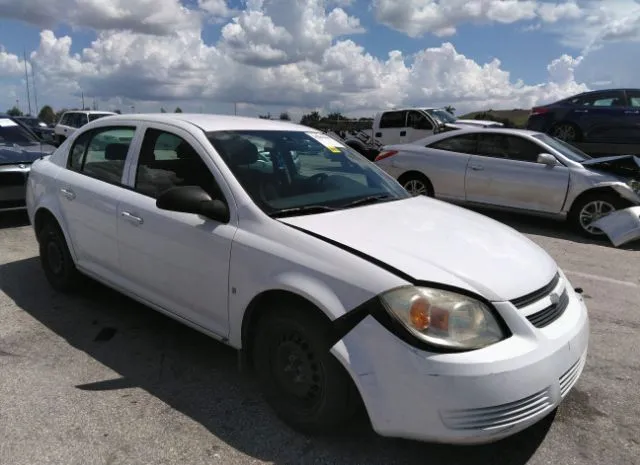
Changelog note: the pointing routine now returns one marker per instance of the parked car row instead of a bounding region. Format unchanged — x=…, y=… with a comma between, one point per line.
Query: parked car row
x=445, y=325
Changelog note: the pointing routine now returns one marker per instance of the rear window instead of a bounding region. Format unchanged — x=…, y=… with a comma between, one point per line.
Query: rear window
x=95, y=116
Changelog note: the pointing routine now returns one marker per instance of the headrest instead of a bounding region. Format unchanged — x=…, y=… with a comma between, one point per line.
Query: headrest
x=239, y=151
x=116, y=152
x=184, y=150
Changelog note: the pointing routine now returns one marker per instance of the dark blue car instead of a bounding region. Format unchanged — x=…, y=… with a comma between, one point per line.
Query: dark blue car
x=602, y=116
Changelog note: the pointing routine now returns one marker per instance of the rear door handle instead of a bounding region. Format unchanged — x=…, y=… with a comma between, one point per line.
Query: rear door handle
x=633, y=112
x=132, y=218
x=477, y=167
x=581, y=111
x=68, y=193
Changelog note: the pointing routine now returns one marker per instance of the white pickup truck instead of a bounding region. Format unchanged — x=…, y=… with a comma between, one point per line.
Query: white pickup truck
x=402, y=126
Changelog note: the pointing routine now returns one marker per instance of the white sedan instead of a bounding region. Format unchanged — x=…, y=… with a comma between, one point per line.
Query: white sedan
x=333, y=282
x=516, y=170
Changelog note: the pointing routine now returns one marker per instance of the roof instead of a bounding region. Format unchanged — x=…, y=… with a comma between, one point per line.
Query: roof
x=92, y=112
x=212, y=122
x=500, y=130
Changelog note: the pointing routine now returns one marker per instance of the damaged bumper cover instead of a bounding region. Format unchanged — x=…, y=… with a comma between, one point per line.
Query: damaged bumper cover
x=621, y=226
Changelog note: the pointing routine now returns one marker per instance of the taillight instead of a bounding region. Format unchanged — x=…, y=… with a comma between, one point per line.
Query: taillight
x=385, y=154
x=539, y=111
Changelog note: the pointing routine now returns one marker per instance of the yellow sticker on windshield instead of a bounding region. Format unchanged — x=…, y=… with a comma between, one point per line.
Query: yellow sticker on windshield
x=334, y=149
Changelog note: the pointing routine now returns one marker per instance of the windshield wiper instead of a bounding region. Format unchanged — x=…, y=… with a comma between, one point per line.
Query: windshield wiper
x=367, y=200
x=306, y=210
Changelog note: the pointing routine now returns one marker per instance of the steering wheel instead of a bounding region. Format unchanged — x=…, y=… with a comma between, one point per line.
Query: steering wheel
x=319, y=179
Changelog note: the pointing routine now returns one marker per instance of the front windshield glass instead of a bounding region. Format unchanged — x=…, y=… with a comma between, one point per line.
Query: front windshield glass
x=12, y=133
x=292, y=172
x=566, y=149
x=441, y=115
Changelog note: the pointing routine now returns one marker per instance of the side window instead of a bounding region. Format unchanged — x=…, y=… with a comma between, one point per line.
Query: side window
x=634, y=98
x=167, y=160
x=74, y=120
x=100, y=154
x=493, y=145
x=393, y=119
x=418, y=120
x=65, y=119
x=461, y=144
x=523, y=150
x=603, y=99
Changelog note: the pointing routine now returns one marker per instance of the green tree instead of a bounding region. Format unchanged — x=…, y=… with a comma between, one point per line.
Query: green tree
x=47, y=114
x=15, y=111
x=117, y=111
x=267, y=116
x=310, y=119
x=178, y=110
x=162, y=110
x=450, y=109
x=284, y=116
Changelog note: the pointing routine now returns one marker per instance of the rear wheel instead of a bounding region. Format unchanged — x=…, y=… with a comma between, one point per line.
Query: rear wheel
x=417, y=184
x=56, y=259
x=303, y=382
x=567, y=132
x=592, y=207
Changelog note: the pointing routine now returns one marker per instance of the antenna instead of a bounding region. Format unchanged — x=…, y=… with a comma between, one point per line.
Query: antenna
x=33, y=83
x=26, y=75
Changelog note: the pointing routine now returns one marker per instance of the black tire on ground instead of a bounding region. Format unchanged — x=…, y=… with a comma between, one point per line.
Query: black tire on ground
x=56, y=259
x=567, y=132
x=302, y=381
x=599, y=204
x=416, y=184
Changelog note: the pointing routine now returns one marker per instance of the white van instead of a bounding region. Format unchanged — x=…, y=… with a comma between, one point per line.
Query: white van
x=72, y=120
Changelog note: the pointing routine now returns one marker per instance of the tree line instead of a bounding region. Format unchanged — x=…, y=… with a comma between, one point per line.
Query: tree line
x=49, y=116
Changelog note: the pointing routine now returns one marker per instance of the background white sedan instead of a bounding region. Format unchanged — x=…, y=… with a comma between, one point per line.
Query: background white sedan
x=517, y=170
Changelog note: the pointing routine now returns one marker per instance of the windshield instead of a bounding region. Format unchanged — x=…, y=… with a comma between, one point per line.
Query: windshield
x=441, y=115
x=566, y=149
x=95, y=116
x=12, y=133
x=289, y=172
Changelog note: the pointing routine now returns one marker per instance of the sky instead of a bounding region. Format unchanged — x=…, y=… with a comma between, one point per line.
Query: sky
x=358, y=57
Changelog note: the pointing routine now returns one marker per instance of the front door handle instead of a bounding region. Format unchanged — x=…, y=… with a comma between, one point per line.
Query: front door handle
x=132, y=218
x=633, y=112
x=477, y=167
x=581, y=111
x=68, y=193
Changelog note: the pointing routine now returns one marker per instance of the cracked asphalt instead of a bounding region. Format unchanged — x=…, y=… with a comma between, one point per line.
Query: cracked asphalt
x=98, y=379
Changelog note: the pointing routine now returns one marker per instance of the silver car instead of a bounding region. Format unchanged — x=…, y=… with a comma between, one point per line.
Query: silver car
x=516, y=170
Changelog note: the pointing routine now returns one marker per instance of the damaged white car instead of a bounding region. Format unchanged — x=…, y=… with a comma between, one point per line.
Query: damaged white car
x=516, y=170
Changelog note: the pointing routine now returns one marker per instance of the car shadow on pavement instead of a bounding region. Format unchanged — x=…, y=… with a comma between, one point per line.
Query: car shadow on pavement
x=13, y=219
x=540, y=226
x=198, y=377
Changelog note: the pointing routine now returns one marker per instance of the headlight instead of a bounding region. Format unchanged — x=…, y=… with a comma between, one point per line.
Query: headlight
x=443, y=318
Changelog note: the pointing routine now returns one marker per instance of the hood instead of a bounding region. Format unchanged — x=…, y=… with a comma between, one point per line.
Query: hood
x=435, y=241
x=621, y=165
x=25, y=153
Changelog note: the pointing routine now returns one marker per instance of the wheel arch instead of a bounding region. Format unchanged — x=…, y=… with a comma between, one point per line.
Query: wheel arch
x=609, y=189
x=45, y=214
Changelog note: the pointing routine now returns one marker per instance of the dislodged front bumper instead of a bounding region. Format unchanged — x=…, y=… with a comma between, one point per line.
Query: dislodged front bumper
x=621, y=226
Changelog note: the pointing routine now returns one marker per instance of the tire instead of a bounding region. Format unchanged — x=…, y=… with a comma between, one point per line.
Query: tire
x=598, y=204
x=417, y=184
x=302, y=381
x=567, y=132
x=56, y=259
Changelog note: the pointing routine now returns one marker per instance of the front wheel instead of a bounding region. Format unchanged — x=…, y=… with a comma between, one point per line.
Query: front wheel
x=417, y=184
x=591, y=208
x=566, y=132
x=303, y=382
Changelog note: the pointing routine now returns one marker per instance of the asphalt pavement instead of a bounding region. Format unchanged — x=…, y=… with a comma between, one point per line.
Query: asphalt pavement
x=98, y=379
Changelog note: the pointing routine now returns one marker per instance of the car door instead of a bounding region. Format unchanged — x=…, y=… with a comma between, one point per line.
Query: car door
x=178, y=261
x=418, y=126
x=632, y=114
x=601, y=116
x=505, y=173
x=89, y=191
x=392, y=128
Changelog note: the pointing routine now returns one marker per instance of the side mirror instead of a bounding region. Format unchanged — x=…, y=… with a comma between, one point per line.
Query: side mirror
x=547, y=159
x=193, y=199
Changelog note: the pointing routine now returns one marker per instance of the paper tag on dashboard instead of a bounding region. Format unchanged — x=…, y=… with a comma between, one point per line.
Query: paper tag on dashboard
x=329, y=142
x=5, y=123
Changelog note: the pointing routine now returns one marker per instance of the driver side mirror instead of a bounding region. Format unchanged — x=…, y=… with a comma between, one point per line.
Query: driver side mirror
x=193, y=199
x=547, y=159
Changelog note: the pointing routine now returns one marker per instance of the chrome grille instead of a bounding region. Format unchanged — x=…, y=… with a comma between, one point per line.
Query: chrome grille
x=498, y=416
x=550, y=314
x=537, y=295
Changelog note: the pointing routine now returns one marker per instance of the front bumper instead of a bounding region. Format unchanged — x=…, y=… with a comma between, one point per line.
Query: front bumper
x=473, y=397
x=13, y=184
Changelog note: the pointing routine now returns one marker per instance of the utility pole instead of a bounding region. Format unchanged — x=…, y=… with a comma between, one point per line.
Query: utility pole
x=35, y=93
x=26, y=75
x=235, y=108
x=83, y=100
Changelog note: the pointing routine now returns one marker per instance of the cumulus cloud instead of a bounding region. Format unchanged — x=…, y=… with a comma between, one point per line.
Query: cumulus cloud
x=11, y=65
x=145, y=16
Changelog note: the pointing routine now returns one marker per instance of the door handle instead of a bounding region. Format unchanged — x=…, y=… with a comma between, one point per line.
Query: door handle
x=132, y=218
x=581, y=111
x=68, y=193
x=403, y=133
x=633, y=112
x=477, y=167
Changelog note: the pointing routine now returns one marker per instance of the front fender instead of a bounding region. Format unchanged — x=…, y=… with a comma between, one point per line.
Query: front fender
x=625, y=191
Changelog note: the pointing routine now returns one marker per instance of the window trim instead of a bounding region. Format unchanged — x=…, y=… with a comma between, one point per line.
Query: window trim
x=406, y=115
x=474, y=135
x=91, y=133
x=540, y=147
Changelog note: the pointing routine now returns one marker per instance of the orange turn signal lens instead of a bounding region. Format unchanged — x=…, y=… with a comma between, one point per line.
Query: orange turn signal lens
x=419, y=315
